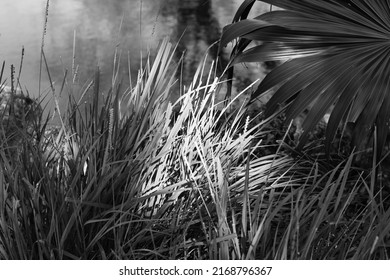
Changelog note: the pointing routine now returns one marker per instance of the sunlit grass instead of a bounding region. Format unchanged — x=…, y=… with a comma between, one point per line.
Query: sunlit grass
x=137, y=177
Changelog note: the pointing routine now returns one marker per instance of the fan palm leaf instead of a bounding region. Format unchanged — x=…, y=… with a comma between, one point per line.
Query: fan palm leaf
x=336, y=53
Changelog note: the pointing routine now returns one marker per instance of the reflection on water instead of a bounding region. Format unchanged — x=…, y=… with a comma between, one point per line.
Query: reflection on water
x=99, y=26
x=199, y=29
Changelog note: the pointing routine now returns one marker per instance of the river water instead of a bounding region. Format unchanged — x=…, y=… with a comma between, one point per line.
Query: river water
x=92, y=29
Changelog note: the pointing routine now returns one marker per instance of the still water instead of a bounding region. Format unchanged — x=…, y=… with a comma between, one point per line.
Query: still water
x=92, y=29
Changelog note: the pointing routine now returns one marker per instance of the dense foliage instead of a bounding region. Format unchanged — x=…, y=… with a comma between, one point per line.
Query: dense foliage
x=136, y=176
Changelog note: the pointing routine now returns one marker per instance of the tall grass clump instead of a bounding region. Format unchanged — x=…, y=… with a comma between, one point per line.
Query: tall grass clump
x=135, y=176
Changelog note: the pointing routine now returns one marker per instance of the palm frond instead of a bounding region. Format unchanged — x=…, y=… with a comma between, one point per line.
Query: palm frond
x=336, y=53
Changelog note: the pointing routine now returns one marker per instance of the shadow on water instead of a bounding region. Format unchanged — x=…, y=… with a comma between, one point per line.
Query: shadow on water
x=197, y=29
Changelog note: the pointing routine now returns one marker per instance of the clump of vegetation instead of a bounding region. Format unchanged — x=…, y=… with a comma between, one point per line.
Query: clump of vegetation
x=137, y=177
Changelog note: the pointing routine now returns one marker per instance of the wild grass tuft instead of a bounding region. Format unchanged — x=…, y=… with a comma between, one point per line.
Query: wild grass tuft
x=131, y=175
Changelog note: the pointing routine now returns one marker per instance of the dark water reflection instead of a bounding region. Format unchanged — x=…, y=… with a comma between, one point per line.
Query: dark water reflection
x=98, y=27
x=199, y=28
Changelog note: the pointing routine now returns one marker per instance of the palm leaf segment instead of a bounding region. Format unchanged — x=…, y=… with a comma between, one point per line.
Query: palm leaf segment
x=337, y=53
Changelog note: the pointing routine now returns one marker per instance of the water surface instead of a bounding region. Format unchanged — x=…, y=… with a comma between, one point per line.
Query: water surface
x=88, y=31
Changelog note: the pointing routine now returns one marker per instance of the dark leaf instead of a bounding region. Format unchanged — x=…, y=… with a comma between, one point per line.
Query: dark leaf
x=241, y=28
x=243, y=10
